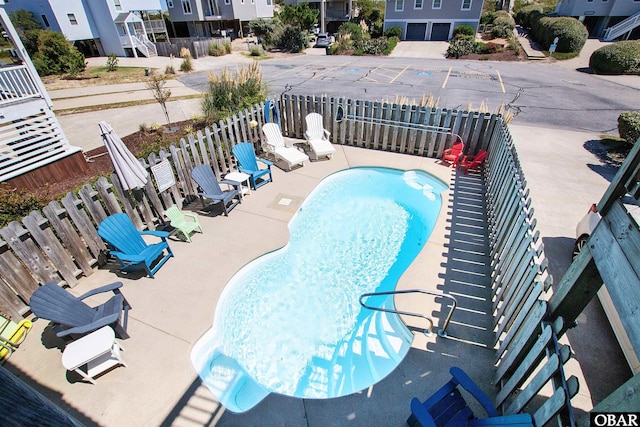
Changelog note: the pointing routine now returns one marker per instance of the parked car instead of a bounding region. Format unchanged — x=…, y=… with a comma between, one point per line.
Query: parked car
x=583, y=230
x=323, y=40
x=585, y=227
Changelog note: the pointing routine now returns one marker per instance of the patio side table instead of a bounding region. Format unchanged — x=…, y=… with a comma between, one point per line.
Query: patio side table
x=243, y=181
x=98, y=350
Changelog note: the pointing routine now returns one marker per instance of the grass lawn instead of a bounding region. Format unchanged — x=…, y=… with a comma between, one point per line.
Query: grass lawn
x=94, y=76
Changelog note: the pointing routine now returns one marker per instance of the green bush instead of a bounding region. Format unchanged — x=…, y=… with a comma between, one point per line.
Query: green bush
x=392, y=42
x=571, y=34
x=256, y=50
x=617, y=58
x=461, y=47
x=629, y=126
x=353, y=30
x=112, y=62
x=503, y=25
x=465, y=30
x=528, y=13
x=56, y=55
x=16, y=204
x=487, y=18
x=264, y=29
x=393, y=32
x=292, y=40
x=372, y=46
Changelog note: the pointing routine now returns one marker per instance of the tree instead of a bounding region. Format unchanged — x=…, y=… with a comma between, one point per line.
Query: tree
x=370, y=13
x=299, y=16
x=28, y=28
x=156, y=86
x=56, y=55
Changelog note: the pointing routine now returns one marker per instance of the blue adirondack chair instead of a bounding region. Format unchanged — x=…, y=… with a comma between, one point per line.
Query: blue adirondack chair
x=51, y=302
x=128, y=246
x=248, y=163
x=447, y=408
x=205, y=178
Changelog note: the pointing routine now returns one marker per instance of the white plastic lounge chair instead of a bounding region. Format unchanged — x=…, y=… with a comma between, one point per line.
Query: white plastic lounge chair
x=318, y=137
x=276, y=145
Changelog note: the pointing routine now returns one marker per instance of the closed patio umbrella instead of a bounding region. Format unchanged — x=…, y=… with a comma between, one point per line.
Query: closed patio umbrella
x=130, y=172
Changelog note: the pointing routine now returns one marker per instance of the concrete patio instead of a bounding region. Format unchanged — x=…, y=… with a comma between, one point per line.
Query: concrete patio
x=160, y=387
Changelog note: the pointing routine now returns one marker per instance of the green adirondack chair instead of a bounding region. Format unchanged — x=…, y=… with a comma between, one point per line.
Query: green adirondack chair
x=180, y=222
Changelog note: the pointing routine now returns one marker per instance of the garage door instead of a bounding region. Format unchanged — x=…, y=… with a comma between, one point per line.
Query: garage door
x=416, y=31
x=440, y=32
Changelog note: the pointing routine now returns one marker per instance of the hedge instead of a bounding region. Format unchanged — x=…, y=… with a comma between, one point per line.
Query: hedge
x=617, y=58
x=629, y=126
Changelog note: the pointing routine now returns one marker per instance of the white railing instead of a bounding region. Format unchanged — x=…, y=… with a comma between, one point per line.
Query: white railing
x=17, y=84
x=155, y=26
x=144, y=45
x=611, y=33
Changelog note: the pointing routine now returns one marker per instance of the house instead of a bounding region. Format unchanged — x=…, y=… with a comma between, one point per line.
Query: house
x=608, y=19
x=33, y=149
x=431, y=19
x=100, y=27
x=215, y=18
x=335, y=12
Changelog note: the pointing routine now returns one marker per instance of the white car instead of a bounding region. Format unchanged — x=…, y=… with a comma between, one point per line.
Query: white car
x=585, y=227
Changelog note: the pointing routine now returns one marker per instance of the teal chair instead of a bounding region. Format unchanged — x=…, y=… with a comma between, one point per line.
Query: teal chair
x=128, y=246
x=248, y=163
x=184, y=223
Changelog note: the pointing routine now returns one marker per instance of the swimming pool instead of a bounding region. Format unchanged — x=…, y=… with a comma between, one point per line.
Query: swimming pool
x=289, y=322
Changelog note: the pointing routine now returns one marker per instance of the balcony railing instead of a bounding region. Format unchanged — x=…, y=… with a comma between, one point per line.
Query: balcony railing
x=155, y=26
x=17, y=84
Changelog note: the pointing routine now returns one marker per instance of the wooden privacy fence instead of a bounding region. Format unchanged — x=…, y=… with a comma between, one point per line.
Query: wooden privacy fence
x=198, y=48
x=528, y=355
x=61, y=244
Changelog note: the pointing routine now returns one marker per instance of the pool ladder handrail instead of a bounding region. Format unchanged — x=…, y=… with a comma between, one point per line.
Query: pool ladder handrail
x=441, y=332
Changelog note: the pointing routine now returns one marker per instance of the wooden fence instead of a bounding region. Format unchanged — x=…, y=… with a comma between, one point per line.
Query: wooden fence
x=198, y=48
x=528, y=355
x=61, y=243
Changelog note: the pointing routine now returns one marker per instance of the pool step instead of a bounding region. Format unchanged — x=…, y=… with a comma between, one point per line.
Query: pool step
x=373, y=352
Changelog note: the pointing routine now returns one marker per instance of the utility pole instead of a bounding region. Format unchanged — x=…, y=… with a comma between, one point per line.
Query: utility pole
x=322, y=13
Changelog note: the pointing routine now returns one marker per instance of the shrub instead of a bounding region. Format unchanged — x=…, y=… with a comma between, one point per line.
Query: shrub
x=256, y=51
x=617, y=58
x=372, y=46
x=461, y=47
x=292, y=40
x=503, y=25
x=169, y=69
x=112, y=62
x=629, y=126
x=490, y=48
x=571, y=34
x=264, y=29
x=393, y=32
x=392, y=42
x=525, y=15
x=56, y=55
x=216, y=49
x=16, y=204
x=354, y=30
x=465, y=30
x=186, y=64
x=230, y=93
x=487, y=18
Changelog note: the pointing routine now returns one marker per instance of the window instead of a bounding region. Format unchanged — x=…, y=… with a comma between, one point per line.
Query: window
x=170, y=3
x=45, y=20
x=117, y=4
x=72, y=19
x=399, y=5
x=466, y=4
x=437, y=4
x=213, y=7
x=268, y=2
x=186, y=7
x=417, y=4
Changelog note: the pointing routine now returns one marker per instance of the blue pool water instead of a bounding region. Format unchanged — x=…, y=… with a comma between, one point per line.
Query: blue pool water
x=290, y=322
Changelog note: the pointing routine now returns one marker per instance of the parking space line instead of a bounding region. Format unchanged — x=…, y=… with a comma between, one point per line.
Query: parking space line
x=444, y=84
x=399, y=74
x=500, y=80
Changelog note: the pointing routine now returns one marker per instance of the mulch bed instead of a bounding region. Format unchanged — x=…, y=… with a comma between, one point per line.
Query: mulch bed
x=100, y=163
